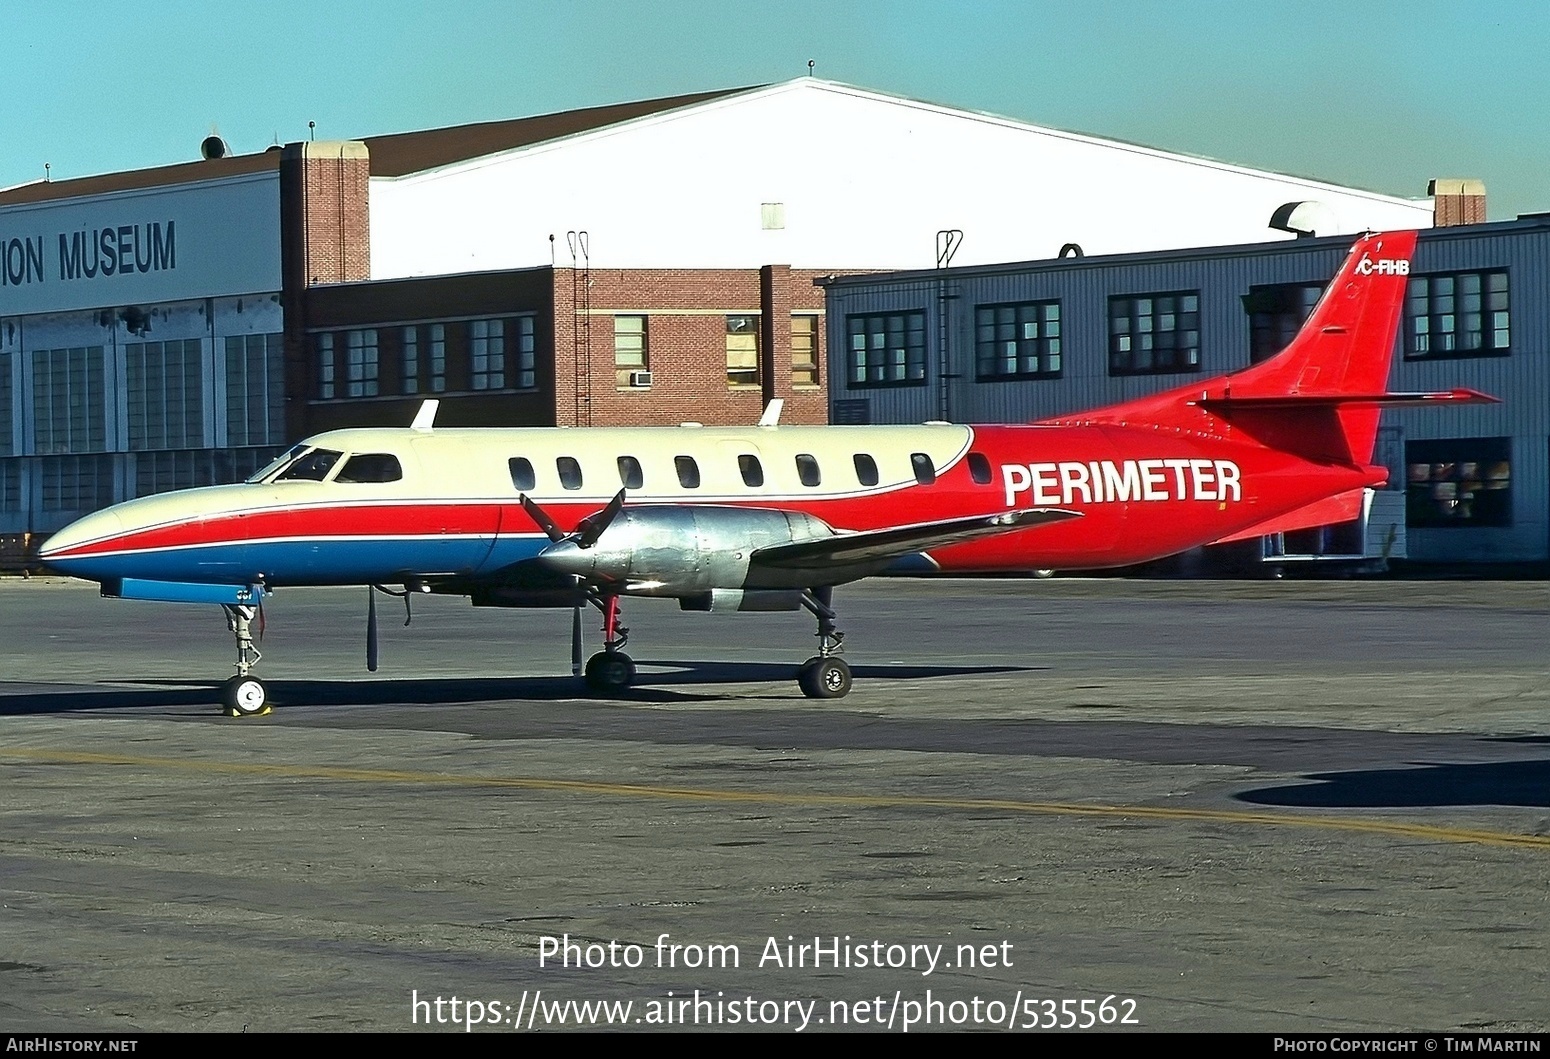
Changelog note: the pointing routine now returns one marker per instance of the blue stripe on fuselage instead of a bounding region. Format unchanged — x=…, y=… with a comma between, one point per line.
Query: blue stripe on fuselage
x=318, y=561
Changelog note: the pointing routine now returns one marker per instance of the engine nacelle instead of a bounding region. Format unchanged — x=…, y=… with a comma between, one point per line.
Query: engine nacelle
x=681, y=550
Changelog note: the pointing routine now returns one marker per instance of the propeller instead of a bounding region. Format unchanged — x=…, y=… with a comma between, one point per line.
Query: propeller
x=588, y=530
x=371, y=620
x=371, y=629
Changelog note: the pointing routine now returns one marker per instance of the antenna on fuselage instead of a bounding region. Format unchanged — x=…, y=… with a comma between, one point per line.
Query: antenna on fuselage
x=771, y=416
x=425, y=418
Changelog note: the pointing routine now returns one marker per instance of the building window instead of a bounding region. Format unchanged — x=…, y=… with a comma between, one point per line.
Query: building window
x=76, y=483
x=1154, y=334
x=436, y=352
x=409, y=366
x=887, y=349
x=10, y=485
x=1459, y=482
x=1019, y=341
x=526, y=352
x=487, y=353
x=325, y=362
x=630, y=353
x=7, y=447
x=1276, y=313
x=68, y=410
x=742, y=351
x=804, y=351
x=361, y=363
x=165, y=384
x=255, y=389
x=1457, y=314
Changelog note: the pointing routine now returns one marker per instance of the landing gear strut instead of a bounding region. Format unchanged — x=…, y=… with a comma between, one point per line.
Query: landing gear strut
x=244, y=695
x=824, y=676
x=610, y=671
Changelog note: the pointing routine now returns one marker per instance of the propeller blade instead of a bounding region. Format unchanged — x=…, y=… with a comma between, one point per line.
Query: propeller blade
x=371, y=629
x=540, y=516
x=593, y=526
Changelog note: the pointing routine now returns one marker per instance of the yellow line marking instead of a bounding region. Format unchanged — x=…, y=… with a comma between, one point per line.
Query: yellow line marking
x=853, y=801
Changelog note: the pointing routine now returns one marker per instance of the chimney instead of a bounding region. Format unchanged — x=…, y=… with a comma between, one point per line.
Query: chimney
x=1457, y=202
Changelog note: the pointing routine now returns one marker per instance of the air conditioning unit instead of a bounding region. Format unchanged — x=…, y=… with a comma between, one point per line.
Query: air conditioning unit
x=640, y=378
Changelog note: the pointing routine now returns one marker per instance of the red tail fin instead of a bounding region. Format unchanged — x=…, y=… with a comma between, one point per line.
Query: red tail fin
x=1318, y=397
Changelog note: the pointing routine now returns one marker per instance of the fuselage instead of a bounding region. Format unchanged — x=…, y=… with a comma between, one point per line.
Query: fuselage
x=386, y=505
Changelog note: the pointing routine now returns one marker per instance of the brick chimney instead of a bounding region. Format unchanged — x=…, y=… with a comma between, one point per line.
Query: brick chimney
x=1457, y=202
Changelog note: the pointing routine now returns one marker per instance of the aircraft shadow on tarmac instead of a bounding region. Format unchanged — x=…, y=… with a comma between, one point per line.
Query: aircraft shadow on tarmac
x=44, y=698
x=1514, y=783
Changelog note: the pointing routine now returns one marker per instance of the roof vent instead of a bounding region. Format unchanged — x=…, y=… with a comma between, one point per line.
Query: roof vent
x=1303, y=219
x=213, y=147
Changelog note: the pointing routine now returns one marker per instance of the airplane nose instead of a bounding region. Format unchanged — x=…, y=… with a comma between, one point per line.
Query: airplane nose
x=63, y=547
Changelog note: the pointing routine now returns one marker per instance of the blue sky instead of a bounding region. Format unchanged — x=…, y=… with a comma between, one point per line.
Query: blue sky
x=1373, y=93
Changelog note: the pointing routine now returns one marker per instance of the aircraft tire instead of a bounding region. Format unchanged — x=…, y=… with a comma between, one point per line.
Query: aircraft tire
x=610, y=672
x=245, y=697
x=824, y=678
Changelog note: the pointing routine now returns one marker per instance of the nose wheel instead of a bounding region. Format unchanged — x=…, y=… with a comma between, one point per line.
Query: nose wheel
x=244, y=695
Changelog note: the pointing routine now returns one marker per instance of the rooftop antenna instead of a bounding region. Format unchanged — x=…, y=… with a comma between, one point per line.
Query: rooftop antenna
x=312, y=130
x=810, y=65
x=45, y=173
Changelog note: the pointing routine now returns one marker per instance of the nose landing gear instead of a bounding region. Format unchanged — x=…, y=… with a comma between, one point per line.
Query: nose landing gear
x=244, y=695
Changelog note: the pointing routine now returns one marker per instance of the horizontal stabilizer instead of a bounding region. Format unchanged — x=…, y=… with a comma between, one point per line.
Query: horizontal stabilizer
x=1330, y=511
x=870, y=546
x=1226, y=403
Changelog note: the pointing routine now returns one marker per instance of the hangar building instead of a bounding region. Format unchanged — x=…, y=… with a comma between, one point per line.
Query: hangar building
x=642, y=262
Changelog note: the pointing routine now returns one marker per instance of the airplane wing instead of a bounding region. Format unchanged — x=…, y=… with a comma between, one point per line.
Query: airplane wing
x=870, y=546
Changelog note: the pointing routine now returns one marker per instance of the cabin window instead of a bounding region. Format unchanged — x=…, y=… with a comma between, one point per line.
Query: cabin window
x=522, y=476
x=313, y=467
x=979, y=468
x=866, y=468
x=371, y=467
x=753, y=471
x=925, y=470
x=807, y=470
x=570, y=471
x=688, y=471
x=630, y=475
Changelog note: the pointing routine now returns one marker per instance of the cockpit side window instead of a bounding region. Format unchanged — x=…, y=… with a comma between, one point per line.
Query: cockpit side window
x=313, y=467
x=370, y=467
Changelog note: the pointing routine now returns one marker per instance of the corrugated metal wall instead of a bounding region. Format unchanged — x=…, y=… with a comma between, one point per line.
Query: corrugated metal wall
x=1223, y=276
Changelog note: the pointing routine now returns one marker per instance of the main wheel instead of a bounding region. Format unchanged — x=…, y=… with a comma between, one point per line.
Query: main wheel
x=824, y=678
x=610, y=672
x=245, y=696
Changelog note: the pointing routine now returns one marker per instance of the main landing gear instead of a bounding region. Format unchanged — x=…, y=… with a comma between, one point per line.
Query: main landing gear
x=824, y=676
x=244, y=695
x=610, y=671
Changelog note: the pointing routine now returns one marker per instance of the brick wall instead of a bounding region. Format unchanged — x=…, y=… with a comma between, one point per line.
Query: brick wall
x=686, y=345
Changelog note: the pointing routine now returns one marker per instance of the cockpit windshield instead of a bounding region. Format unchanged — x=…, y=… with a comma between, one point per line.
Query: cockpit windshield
x=313, y=467
x=282, y=461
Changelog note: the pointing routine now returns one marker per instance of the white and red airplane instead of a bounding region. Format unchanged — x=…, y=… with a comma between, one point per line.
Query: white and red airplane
x=772, y=517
